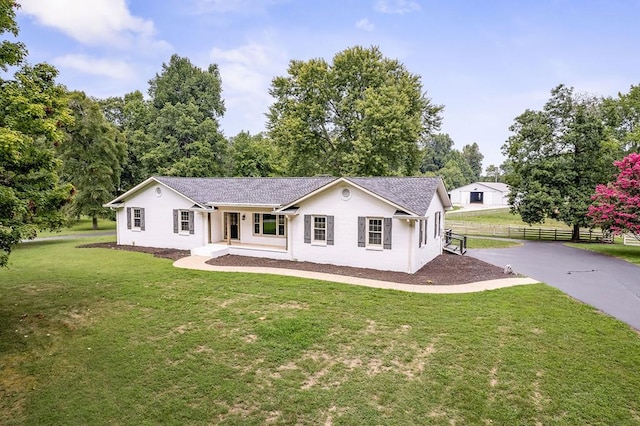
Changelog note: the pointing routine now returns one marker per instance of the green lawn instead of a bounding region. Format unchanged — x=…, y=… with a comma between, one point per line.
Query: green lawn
x=96, y=336
x=628, y=253
x=482, y=243
x=82, y=226
x=500, y=218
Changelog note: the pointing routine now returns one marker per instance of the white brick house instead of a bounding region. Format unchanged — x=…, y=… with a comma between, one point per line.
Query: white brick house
x=387, y=223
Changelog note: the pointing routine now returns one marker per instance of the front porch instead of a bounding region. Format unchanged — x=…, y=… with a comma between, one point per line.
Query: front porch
x=241, y=249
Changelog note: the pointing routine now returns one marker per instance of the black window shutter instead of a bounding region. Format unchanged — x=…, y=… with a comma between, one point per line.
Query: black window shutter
x=307, y=228
x=420, y=233
x=329, y=230
x=191, y=224
x=175, y=221
x=128, y=217
x=142, y=219
x=387, y=233
x=362, y=231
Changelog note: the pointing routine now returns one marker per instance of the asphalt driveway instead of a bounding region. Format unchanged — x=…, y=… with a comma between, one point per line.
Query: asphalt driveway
x=609, y=284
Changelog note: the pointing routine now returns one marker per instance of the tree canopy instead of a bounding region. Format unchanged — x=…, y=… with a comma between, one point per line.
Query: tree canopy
x=361, y=114
x=556, y=157
x=33, y=112
x=616, y=205
x=92, y=155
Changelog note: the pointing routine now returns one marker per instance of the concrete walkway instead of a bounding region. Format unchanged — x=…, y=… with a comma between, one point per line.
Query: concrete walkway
x=607, y=283
x=199, y=262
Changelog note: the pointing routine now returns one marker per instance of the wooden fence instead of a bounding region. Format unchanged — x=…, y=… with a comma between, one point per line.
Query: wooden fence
x=522, y=233
x=630, y=240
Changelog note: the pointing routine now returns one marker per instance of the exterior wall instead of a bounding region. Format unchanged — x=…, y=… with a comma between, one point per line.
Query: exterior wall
x=158, y=230
x=345, y=250
x=433, y=247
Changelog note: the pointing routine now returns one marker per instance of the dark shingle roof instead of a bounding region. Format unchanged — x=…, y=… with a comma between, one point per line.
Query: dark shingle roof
x=413, y=194
x=256, y=191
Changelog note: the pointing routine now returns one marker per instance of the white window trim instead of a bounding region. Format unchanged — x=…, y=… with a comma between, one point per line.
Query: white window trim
x=133, y=219
x=314, y=241
x=367, y=242
x=261, y=224
x=181, y=221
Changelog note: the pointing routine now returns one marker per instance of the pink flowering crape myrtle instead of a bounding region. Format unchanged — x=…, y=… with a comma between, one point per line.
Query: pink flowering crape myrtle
x=616, y=206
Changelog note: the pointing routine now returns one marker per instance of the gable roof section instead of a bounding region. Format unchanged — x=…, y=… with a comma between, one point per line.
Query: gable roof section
x=413, y=194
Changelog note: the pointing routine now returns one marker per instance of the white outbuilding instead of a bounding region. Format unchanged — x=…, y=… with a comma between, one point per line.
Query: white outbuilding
x=485, y=193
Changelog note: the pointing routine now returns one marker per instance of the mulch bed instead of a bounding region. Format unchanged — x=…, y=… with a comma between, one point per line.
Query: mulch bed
x=446, y=269
x=164, y=253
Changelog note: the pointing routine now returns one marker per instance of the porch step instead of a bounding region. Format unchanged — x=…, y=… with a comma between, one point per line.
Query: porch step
x=452, y=248
x=210, y=251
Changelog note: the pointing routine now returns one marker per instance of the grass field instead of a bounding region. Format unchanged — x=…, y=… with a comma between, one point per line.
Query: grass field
x=500, y=218
x=481, y=243
x=82, y=226
x=96, y=336
x=619, y=250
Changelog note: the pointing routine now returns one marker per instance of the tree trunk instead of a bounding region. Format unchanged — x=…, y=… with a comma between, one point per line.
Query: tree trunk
x=575, y=234
x=94, y=221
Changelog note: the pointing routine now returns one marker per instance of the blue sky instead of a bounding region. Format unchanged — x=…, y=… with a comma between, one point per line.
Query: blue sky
x=485, y=61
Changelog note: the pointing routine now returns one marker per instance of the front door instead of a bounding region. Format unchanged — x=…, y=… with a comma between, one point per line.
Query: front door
x=232, y=226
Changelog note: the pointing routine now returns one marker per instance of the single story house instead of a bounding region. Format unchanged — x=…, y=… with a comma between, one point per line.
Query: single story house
x=487, y=193
x=387, y=223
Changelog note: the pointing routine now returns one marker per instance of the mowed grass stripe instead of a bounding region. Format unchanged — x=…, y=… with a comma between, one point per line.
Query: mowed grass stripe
x=95, y=336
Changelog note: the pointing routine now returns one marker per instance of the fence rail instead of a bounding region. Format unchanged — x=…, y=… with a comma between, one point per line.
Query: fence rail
x=523, y=233
x=630, y=240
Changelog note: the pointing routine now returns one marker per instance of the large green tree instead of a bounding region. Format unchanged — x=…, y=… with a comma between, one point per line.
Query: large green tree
x=361, y=114
x=473, y=157
x=131, y=115
x=92, y=155
x=557, y=156
x=183, y=134
x=622, y=114
x=435, y=150
x=33, y=111
x=253, y=156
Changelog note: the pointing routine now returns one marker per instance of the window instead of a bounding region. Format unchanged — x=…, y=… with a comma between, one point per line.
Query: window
x=269, y=224
x=184, y=221
x=137, y=218
x=436, y=225
x=420, y=232
x=319, y=228
x=426, y=236
x=374, y=232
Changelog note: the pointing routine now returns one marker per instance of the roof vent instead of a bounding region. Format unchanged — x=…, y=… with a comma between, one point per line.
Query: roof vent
x=345, y=194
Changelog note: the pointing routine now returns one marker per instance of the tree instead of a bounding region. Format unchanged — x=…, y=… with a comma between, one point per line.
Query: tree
x=622, y=114
x=131, y=115
x=456, y=171
x=184, y=139
x=473, y=157
x=253, y=156
x=616, y=206
x=556, y=157
x=363, y=114
x=92, y=156
x=435, y=149
x=33, y=113
x=493, y=173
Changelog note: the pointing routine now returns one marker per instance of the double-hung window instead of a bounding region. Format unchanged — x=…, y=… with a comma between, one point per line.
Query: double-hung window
x=137, y=218
x=374, y=232
x=319, y=228
x=184, y=221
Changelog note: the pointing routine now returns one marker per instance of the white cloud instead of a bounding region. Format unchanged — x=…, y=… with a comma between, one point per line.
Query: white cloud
x=396, y=6
x=364, y=24
x=246, y=74
x=92, y=22
x=114, y=69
